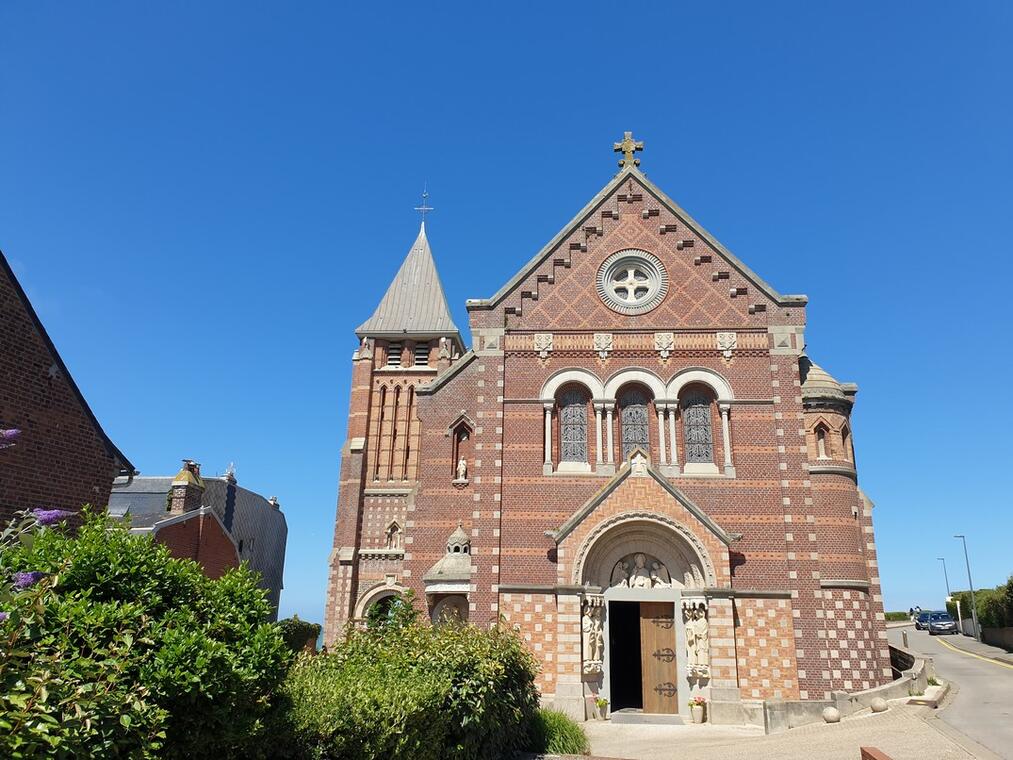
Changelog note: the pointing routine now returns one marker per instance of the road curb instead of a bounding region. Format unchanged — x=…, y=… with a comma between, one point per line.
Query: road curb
x=932, y=702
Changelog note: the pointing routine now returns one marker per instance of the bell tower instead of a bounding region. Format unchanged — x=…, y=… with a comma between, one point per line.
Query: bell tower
x=409, y=340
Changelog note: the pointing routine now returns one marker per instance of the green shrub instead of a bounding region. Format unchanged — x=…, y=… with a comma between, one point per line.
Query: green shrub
x=298, y=633
x=897, y=616
x=408, y=690
x=129, y=652
x=554, y=733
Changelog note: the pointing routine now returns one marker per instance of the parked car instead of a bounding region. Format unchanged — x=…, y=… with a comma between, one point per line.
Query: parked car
x=941, y=622
x=922, y=621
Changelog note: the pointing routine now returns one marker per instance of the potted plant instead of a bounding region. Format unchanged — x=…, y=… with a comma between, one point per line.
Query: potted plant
x=696, y=708
x=602, y=705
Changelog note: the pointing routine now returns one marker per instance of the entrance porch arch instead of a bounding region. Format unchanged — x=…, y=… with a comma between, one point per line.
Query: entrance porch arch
x=656, y=536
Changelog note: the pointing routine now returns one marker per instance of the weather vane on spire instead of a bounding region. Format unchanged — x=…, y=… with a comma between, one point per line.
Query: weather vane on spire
x=628, y=147
x=424, y=208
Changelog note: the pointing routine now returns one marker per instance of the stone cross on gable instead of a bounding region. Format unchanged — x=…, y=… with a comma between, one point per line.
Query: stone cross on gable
x=628, y=147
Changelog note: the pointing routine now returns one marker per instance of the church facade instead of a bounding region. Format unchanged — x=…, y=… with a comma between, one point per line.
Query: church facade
x=636, y=465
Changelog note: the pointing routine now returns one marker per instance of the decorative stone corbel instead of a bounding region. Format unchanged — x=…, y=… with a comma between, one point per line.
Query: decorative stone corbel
x=664, y=343
x=543, y=344
x=603, y=344
x=727, y=342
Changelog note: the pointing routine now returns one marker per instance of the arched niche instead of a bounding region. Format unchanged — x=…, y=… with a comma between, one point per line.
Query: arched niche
x=648, y=379
x=660, y=539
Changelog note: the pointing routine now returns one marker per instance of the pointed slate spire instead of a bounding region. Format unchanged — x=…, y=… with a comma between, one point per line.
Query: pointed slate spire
x=414, y=304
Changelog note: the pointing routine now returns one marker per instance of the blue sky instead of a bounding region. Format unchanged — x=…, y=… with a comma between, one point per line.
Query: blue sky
x=203, y=200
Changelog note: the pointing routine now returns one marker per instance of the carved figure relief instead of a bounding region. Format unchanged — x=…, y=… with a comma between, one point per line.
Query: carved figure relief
x=591, y=638
x=640, y=571
x=664, y=343
x=697, y=639
x=444, y=348
x=462, y=469
x=543, y=344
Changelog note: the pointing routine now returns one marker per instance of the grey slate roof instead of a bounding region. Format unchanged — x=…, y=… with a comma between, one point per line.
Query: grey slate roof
x=414, y=304
x=259, y=530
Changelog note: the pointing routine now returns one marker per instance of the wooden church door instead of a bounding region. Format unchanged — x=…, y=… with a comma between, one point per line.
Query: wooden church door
x=657, y=657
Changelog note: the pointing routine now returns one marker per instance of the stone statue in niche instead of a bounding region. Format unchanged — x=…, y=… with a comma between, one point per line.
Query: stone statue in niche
x=462, y=469
x=394, y=536
x=591, y=635
x=640, y=571
x=366, y=349
x=444, y=348
x=697, y=641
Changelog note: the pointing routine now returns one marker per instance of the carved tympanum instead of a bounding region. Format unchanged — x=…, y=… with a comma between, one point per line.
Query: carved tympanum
x=640, y=571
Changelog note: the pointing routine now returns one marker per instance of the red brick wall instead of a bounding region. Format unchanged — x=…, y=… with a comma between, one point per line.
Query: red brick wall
x=61, y=459
x=202, y=539
x=798, y=529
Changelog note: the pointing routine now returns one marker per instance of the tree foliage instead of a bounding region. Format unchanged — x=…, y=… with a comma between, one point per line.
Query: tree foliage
x=121, y=650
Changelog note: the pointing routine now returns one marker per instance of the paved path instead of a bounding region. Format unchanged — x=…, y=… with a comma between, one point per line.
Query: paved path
x=902, y=732
x=982, y=701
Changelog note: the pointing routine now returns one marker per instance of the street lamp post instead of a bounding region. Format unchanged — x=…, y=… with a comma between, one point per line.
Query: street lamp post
x=945, y=576
x=949, y=596
x=974, y=609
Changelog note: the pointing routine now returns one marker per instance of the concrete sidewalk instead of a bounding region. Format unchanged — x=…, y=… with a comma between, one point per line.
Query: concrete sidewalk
x=903, y=732
x=968, y=644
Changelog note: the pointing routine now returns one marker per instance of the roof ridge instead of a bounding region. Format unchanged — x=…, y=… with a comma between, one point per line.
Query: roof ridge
x=414, y=303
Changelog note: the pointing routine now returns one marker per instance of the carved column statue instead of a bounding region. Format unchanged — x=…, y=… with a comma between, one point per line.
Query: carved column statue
x=697, y=639
x=592, y=640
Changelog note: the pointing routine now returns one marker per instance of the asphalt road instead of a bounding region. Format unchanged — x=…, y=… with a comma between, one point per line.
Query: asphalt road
x=983, y=705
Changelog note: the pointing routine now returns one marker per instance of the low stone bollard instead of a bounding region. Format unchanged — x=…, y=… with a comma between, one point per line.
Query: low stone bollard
x=878, y=705
x=832, y=715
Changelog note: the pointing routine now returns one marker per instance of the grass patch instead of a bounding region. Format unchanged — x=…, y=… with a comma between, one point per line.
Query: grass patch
x=554, y=733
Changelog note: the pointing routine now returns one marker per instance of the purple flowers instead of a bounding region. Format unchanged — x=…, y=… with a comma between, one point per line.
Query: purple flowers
x=3, y=616
x=27, y=580
x=8, y=437
x=50, y=516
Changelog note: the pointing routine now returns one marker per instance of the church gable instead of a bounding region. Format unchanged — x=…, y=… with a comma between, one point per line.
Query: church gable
x=569, y=283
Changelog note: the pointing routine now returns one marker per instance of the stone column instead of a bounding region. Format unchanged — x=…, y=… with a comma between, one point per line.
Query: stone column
x=725, y=409
x=673, y=440
x=597, y=434
x=547, y=467
x=608, y=433
x=661, y=432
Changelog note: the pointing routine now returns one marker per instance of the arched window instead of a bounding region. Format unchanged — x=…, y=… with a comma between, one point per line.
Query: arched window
x=696, y=427
x=381, y=417
x=633, y=420
x=573, y=425
x=846, y=444
x=821, y=442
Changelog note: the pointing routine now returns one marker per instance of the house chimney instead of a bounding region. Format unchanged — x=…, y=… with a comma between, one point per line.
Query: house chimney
x=187, y=489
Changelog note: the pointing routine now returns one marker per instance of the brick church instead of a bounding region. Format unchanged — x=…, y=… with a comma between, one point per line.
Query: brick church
x=636, y=464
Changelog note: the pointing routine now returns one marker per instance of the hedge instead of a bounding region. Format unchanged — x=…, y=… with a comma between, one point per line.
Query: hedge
x=993, y=605
x=410, y=691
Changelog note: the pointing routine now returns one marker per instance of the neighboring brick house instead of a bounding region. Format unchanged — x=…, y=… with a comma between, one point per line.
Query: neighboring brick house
x=212, y=520
x=62, y=459
x=636, y=465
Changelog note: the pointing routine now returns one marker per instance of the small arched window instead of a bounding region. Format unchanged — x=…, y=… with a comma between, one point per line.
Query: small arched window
x=821, y=442
x=697, y=431
x=573, y=425
x=846, y=444
x=633, y=420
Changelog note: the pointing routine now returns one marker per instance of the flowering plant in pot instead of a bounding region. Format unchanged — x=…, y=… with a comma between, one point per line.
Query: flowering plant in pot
x=602, y=704
x=696, y=708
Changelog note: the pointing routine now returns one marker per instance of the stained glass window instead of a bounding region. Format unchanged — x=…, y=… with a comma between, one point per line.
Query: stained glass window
x=573, y=425
x=633, y=421
x=696, y=420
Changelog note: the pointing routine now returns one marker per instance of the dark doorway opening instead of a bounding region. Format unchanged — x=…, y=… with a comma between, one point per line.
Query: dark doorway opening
x=625, y=680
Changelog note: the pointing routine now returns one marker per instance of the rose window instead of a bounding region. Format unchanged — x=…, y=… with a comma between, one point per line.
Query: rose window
x=632, y=282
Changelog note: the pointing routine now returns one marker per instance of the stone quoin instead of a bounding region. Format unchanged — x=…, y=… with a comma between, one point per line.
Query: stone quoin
x=636, y=465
